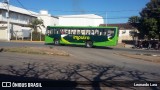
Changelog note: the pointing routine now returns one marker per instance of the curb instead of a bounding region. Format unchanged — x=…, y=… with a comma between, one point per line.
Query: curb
x=25, y=41
x=154, y=55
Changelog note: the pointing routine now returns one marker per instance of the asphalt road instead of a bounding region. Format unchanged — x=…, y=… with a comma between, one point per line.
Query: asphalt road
x=83, y=64
x=41, y=44
x=99, y=55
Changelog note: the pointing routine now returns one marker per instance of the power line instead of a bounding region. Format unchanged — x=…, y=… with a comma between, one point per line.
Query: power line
x=98, y=18
x=58, y=10
x=86, y=11
x=25, y=8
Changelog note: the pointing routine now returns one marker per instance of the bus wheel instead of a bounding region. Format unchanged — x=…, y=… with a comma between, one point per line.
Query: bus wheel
x=56, y=42
x=89, y=44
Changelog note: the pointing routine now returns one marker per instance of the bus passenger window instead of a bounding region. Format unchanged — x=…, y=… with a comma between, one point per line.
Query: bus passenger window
x=78, y=32
x=96, y=32
x=62, y=32
x=105, y=32
x=66, y=32
x=73, y=31
x=110, y=33
x=57, y=32
x=82, y=32
x=48, y=32
x=88, y=32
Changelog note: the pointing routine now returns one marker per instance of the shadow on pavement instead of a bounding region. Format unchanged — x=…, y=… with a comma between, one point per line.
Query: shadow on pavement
x=82, y=46
x=78, y=77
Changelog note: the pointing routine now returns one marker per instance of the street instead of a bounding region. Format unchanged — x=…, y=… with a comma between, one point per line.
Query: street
x=81, y=58
x=98, y=55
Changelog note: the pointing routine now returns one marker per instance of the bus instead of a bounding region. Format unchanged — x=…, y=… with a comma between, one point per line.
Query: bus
x=88, y=36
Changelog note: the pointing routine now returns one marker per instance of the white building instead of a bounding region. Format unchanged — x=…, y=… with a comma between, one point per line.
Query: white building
x=80, y=20
x=125, y=32
x=19, y=19
x=48, y=20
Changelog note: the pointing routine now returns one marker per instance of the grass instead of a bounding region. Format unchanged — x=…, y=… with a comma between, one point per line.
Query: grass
x=37, y=50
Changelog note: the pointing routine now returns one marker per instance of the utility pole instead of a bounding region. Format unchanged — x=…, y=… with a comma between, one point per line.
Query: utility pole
x=8, y=23
x=106, y=19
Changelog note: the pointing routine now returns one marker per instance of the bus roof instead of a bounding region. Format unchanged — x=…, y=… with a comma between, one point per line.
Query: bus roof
x=89, y=27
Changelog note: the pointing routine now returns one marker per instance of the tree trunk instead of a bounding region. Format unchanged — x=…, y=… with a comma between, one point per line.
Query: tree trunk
x=31, y=34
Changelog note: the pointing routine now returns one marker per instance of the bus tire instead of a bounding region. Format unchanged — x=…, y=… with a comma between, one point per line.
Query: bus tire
x=89, y=44
x=56, y=42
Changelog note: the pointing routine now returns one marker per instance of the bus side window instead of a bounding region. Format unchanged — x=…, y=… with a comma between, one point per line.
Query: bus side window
x=58, y=31
x=96, y=32
x=101, y=32
x=105, y=32
x=92, y=32
x=110, y=33
x=83, y=32
x=62, y=31
x=71, y=31
x=78, y=32
x=54, y=31
x=88, y=32
x=48, y=32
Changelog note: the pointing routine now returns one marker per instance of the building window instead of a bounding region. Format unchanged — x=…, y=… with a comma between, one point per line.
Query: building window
x=123, y=32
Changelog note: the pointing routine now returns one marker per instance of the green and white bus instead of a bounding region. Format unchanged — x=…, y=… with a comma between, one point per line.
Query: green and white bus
x=82, y=35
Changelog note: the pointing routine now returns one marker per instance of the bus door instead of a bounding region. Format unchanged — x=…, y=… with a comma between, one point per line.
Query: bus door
x=66, y=36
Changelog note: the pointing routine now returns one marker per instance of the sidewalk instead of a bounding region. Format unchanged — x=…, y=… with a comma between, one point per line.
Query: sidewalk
x=122, y=45
x=24, y=41
x=145, y=57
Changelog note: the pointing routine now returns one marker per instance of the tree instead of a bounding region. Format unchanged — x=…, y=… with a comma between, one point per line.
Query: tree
x=134, y=21
x=150, y=19
x=35, y=24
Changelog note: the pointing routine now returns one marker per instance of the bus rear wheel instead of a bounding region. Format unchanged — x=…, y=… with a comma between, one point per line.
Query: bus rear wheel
x=89, y=44
x=56, y=42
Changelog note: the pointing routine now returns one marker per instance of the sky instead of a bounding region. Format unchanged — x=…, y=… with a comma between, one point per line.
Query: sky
x=113, y=11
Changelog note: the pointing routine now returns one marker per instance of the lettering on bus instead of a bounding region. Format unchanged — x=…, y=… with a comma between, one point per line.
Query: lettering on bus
x=81, y=37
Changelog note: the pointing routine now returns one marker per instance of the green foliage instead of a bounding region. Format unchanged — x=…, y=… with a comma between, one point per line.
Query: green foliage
x=134, y=19
x=35, y=24
x=150, y=19
x=149, y=22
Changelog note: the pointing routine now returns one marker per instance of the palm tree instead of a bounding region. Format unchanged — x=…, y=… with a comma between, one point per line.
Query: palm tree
x=35, y=24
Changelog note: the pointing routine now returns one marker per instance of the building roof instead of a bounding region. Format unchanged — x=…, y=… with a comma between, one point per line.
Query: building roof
x=18, y=10
x=120, y=25
x=81, y=16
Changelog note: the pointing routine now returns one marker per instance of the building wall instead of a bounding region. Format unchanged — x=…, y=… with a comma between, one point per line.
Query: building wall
x=18, y=18
x=16, y=31
x=124, y=34
x=17, y=15
x=17, y=21
x=3, y=33
x=48, y=20
x=81, y=20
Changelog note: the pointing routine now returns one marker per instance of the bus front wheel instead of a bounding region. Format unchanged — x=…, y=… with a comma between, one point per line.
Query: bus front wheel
x=56, y=42
x=89, y=44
